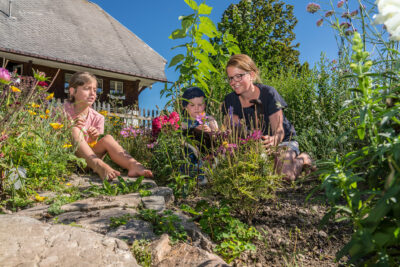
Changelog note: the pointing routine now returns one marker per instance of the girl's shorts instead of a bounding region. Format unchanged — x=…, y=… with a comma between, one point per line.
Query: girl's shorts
x=293, y=145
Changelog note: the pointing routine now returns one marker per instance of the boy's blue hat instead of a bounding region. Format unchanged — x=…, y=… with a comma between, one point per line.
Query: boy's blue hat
x=191, y=93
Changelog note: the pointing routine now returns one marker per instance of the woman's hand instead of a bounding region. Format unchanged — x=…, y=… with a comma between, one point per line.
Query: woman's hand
x=268, y=141
x=93, y=133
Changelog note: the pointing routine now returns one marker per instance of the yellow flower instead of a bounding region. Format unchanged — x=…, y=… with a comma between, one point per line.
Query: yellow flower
x=56, y=125
x=67, y=145
x=34, y=105
x=47, y=111
x=104, y=113
x=39, y=198
x=92, y=144
x=43, y=116
x=225, y=144
x=15, y=89
x=68, y=184
x=32, y=112
x=50, y=96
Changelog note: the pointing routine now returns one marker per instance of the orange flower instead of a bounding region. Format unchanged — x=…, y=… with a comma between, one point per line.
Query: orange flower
x=43, y=116
x=56, y=125
x=92, y=144
x=47, y=111
x=32, y=112
x=34, y=105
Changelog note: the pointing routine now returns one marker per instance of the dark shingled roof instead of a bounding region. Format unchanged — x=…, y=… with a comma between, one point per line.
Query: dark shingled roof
x=77, y=32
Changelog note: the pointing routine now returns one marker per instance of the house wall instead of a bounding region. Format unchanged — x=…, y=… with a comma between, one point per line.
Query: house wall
x=131, y=88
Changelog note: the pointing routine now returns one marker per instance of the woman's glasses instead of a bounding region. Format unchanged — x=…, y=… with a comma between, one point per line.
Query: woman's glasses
x=236, y=78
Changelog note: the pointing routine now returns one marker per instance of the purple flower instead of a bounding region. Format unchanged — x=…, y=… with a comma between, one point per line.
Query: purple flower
x=340, y=4
x=5, y=76
x=319, y=22
x=345, y=25
x=151, y=145
x=329, y=13
x=225, y=147
x=354, y=13
x=313, y=7
x=346, y=15
x=256, y=135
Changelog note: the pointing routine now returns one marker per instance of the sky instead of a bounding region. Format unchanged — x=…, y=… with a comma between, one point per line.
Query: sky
x=154, y=20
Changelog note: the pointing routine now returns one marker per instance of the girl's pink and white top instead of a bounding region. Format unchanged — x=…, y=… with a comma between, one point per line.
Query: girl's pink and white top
x=93, y=119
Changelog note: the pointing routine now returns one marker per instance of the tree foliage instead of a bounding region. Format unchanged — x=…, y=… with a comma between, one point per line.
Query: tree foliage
x=264, y=31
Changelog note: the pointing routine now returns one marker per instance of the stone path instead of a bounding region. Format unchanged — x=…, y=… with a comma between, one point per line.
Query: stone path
x=41, y=244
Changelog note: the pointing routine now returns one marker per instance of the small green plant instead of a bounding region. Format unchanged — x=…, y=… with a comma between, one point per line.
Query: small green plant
x=121, y=188
x=56, y=203
x=141, y=252
x=144, y=193
x=121, y=220
x=167, y=222
x=233, y=237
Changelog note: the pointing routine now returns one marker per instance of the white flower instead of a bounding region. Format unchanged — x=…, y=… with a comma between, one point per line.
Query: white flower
x=389, y=14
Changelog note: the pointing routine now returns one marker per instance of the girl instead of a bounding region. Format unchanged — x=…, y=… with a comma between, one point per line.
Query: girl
x=249, y=99
x=89, y=125
x=194, y=105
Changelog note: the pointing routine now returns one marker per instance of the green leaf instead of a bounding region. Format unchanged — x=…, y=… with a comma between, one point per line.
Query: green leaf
x=192, y=4
x=207, y=47
x=207, y=27
x=204, y=9
x=177, y=34
x=176, y=59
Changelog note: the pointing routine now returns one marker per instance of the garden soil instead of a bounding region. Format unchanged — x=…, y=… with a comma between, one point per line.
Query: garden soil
x=292, y=235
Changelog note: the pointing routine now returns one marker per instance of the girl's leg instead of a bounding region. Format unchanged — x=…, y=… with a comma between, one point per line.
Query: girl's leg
x=109, y=145
x=93, y=160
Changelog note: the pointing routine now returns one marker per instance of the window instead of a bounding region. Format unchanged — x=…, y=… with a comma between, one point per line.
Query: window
x=18, y=69
x=117, y=88
x=67, y=77
x=99, y=86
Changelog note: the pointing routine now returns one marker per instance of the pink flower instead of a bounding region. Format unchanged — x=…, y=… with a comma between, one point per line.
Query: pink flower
x=340, y=4
x=202, y=118
x=313, y=7
x=174, y=117
x=329, y=13
x=345, y=15
x=5, y=76
x=156, y=126
x=151, y=145
x=319, y=22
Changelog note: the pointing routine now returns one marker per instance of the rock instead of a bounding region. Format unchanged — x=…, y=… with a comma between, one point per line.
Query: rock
x=165, y=192
x=98, y=221
x=322, y=234
x=4, y=210
x=37, y=212
x=198, y=238
x=28, y=242
x=154, y=202
x=133, y=230
x=103, y=202
x=181, y=254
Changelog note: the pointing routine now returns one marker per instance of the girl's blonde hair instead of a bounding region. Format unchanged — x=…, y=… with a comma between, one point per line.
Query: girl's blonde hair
x=79, y=79
x=244, y=62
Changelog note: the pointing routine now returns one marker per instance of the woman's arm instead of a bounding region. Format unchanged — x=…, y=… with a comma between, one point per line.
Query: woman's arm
x=278, y=133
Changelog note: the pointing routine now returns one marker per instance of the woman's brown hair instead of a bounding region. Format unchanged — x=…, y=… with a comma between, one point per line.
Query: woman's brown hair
x=245, y=63
x=79, y=79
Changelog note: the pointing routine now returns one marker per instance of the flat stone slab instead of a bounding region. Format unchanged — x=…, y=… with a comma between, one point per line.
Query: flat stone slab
x=37, y=212
x=154, y=202
x=103, y=202
x=86, y=181
x=98, y=221
x=28, y=242
x=134, y=230
x=165, y=192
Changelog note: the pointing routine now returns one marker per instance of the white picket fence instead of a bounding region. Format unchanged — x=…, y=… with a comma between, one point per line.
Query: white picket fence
x=131, y=117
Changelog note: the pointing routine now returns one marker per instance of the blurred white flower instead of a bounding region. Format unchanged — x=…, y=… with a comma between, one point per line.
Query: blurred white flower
x=389, y=14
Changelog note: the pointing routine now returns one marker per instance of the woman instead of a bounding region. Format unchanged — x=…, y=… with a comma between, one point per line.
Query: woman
x=262, y=107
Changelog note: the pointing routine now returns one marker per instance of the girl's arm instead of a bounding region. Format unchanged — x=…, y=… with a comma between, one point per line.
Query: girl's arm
x=278, y=133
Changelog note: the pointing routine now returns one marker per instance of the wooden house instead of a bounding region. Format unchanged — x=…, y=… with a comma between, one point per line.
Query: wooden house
x=77, y=35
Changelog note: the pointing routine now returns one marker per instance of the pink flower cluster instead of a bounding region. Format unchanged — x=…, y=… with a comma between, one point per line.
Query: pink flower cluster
x=202, y=118
x=313, y=7
x=43, y=84
x=5, y=76
x=159, y=122
x=227, y=148
x=131, y=131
